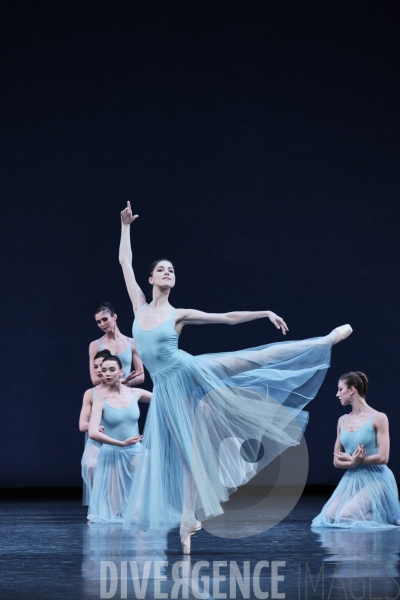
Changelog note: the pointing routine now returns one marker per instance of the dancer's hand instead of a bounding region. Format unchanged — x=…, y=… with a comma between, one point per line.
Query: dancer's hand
x=358, y=455
x=101, y=429
x=131, y=376
x=126, y=215
x=278, y=322
x=133, y=440
x=342, y=455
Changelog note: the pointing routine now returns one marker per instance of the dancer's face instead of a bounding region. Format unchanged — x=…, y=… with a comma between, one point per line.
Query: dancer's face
x=163, y=275
x=97, y=367
x=105, y=321
x=344, y=393
x=111, y=371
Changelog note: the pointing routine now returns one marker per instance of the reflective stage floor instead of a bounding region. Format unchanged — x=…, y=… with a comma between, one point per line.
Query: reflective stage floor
x=48, y=551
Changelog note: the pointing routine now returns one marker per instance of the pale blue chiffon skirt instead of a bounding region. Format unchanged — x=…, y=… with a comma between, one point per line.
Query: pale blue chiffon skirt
x=203, y=412
x=88, y=464
x=366, y=498
x=112, y=483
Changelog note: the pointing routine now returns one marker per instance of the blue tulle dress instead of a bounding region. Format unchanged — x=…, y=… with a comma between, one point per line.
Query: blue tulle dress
x=91, y=450
x=88, y=462
x=367, y=495
x=200, y=403
x=115, y=467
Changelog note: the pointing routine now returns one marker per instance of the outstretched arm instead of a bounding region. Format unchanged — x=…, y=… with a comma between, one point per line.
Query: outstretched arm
x=197, y=317
x=125, y=258
x=143, y=395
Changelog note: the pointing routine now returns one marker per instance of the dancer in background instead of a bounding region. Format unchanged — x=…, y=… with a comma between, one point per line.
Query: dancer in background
x=115, y=406
x=118, y=344
x=91, y=451
x=367, y=495
x=184, y=473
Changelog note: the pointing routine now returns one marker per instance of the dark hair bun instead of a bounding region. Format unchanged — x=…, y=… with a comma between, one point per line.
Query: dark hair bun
x=364, y=380
x=105, y=307
x=357, y=380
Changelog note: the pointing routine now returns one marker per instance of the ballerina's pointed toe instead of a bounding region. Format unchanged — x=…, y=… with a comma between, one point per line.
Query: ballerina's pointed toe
x=187, y=542
x=344, y=331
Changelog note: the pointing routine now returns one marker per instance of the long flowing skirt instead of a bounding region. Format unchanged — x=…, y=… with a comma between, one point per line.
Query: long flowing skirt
x=88, y=463
x=112, y=483
x=214, y=421
x=366, y=497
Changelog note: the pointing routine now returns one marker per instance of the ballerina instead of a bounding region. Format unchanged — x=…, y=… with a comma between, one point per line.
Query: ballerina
x=185, y=471
x=118, y=344
x=91, y=451
x=116, y=408
x=367, y=495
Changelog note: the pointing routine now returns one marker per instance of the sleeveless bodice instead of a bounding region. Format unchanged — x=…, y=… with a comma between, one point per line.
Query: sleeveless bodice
x=158, y=347
x=366, y=435
x=121, y=423
x=125, y=357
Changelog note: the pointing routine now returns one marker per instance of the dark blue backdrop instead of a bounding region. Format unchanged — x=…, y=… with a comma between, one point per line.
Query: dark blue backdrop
x=257, y=140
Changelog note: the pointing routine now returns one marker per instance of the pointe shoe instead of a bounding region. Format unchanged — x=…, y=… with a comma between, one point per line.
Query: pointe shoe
x=187, y=542
x=344, y=331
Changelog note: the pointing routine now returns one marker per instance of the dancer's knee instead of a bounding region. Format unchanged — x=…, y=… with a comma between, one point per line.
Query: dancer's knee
x=346, y=513
x=90, y=465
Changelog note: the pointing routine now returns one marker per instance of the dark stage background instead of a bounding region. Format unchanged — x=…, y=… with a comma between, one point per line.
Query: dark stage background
x=257, y=140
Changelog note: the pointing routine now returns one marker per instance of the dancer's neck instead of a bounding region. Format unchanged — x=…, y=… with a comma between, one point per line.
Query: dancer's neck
x=114, y=334
x=114, y=388
x=160, y=298
x=359, y=406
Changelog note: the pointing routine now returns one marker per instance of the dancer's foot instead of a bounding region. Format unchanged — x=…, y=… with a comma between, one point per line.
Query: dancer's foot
x=186, y=543
x=342, y=332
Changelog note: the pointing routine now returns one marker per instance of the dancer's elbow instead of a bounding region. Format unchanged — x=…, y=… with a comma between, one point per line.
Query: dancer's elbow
x=140, y=378
x=93, y=434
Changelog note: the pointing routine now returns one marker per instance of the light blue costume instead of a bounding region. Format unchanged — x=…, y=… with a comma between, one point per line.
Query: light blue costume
x=92, y=447
x=203, y=408
x=115, y=464
x=125, y=357
x=88, y=463
x=367, y=495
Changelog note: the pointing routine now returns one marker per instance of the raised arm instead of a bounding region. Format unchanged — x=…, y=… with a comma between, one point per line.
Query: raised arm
x=125, y=258
x=95, y=434
x=85, y=411
x=382, y=441
x=197, y=317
